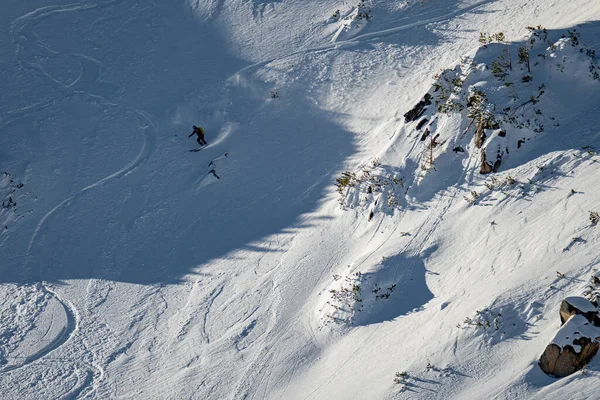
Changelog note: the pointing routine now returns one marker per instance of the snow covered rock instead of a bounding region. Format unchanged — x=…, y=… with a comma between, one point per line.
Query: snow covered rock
x=578, y=306
x=572, y=348
x=351, y=23
x=592, y=293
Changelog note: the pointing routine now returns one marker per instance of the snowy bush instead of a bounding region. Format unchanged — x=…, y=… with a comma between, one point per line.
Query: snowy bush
x=335, y=17
x=374, y=187
x=487, y=38
x=503, y=64
x=486, y=320
x=401, y=378
x=472, y=197
x=594, y=217
x=592, y=291
x=495, y=101
x=348, y=179
x=351, y=22
x=527, y=78
x=523, y=53
x=363, y=12
x=589, y=150
x=9, y=193
x=345, y=299
x=537, y=33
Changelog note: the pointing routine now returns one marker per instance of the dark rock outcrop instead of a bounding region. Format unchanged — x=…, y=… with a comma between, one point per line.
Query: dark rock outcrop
x=418, y=109
x=480, y=135
x=486, y=167
x=498, y=161
x=579, y=306
x=575, y=344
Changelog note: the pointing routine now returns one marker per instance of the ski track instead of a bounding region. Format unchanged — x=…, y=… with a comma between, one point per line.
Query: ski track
x=372, y=35
x=213, y=296
x=265, y=356
x=254, y=369
x=80, y=388
x=24, y=25
x=414, y=246
x=419, y=247
x=27, y=43
x=65, y=334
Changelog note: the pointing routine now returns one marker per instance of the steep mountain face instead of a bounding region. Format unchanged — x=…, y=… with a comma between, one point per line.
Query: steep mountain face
x=394, y=201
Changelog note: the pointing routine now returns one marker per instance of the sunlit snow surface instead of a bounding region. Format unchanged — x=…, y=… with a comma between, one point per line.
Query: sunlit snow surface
x=133, y=268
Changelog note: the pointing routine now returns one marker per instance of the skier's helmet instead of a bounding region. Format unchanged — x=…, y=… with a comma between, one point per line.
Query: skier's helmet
x=195, y=127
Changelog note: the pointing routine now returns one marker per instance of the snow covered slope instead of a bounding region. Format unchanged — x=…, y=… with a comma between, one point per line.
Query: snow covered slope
x=133, y=268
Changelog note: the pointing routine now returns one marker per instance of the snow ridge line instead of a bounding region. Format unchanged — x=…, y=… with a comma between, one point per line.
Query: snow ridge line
x=372, y=35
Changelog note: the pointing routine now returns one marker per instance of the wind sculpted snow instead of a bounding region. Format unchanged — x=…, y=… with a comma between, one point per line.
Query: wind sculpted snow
x=131, y=267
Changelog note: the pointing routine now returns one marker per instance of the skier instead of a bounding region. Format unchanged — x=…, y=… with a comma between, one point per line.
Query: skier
x=200, y=132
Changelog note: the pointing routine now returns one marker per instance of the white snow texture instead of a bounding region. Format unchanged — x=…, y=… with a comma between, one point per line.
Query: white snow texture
x=322, y=246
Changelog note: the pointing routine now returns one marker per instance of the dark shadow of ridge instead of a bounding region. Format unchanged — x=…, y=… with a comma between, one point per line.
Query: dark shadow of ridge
x=156, y=221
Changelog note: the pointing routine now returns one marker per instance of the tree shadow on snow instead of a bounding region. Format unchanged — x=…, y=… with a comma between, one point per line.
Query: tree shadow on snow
x=396, y=287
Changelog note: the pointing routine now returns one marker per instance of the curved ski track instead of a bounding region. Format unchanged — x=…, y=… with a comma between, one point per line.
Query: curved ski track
x=25, y=39
x=428, y=226
x=28, y=43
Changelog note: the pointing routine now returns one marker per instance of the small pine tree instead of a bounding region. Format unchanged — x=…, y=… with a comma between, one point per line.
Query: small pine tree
x=523, y=53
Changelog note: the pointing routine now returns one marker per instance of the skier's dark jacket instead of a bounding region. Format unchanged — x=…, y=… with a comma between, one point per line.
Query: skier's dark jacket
x=197, y=131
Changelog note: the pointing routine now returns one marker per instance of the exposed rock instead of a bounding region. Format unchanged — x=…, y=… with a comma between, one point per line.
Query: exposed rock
x=497, y=165
x=480, y=135
x=458, y=149
x=422, y=123
x=498, y=161
x=578, y=306
x=572, y=348
x=418, y=109
x=486, y=168
x=425, y=134
x=488, y=164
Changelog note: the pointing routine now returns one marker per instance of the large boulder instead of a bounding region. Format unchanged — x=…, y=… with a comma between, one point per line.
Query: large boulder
x=577, y=305
x=576, y=342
